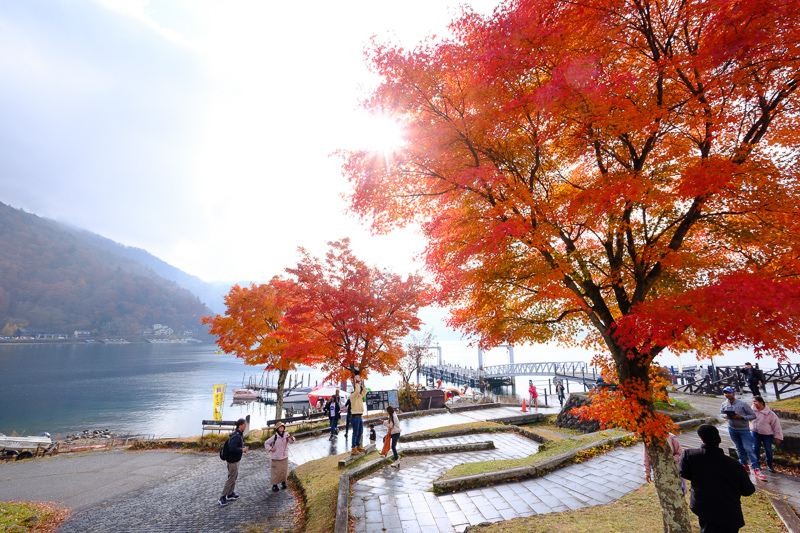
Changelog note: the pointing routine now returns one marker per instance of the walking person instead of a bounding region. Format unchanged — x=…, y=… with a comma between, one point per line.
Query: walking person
x=677, y=452
x=738, y=415
x=356, y=413
x=560, y=392
x=347, y=419
x=236, y=448
x=278, y=445
x=534, y=396
x=766, y=429
x=718, y=483
x=333, y=408
x=392, y=424
x=754, y=378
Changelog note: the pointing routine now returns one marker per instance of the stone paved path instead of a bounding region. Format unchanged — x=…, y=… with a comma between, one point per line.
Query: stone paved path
x=397, y=500
x=152, y=491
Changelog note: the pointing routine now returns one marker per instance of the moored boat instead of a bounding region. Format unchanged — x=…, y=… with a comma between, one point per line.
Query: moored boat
x=245, y=394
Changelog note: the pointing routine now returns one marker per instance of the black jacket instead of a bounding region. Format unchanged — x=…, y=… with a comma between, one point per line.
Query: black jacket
x=235, y=446
x=718, y=483
x=337, y=408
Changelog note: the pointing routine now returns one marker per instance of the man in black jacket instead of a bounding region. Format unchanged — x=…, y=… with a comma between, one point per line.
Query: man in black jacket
x=236, y=448
x=718, y=483
x=754, y=378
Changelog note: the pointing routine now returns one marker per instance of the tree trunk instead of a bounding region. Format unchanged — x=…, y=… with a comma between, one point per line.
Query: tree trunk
x=674, y=511
x=282, y=375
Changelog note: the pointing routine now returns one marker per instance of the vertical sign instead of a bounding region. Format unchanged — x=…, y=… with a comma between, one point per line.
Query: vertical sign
x=219, y=397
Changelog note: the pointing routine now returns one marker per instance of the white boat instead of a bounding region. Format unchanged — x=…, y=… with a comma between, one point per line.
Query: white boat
x=244, y=394
x=297, y=395
x=25, y=447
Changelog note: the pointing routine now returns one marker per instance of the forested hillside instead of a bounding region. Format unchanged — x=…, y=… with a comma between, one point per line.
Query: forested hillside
x=52, y=280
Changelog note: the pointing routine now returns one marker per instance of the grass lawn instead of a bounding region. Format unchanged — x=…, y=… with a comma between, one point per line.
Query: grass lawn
x=467, y=425
x=30, y=516
x=790, y=404
x=674, y=406
x=551, y=449
x=320, y=480
x=637, y=512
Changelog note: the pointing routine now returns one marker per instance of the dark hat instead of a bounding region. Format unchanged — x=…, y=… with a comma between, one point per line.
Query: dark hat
x=709, y=435
x=747, y=364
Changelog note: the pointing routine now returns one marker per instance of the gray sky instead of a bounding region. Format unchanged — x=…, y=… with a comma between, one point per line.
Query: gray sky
x=200, y=131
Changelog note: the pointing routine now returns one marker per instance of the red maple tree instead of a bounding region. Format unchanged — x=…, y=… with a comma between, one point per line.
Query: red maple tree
x=626, y=168
x=352, y=317
x=252, y=329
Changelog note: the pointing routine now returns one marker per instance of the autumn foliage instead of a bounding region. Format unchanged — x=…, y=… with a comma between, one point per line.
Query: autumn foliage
x=351, y=316
x=626, y=168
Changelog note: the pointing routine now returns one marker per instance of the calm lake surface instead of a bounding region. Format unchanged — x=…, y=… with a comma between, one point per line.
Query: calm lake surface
x=162, y=390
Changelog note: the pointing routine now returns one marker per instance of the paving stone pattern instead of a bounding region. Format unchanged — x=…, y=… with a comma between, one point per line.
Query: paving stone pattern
x=187, y=502
x=423, y=471
x=395, y=500
x=398, y=500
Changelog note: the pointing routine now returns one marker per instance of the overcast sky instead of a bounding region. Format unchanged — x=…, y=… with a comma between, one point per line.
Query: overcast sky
x=200, y=131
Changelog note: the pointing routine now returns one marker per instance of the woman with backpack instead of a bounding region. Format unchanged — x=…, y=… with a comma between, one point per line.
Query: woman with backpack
x=278, y=445
x=392, y=423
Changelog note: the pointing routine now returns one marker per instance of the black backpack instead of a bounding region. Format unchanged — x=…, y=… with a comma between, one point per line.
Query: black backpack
x=224, y=451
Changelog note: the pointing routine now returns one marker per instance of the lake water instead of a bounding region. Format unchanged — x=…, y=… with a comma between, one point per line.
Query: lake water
x=165, y=390
x=162, y=390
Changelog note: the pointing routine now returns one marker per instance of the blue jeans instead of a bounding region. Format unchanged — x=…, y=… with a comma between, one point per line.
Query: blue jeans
x=358, y=430
x=766, y=440
x=395, y=436
x=334, y=422
x=743, y=440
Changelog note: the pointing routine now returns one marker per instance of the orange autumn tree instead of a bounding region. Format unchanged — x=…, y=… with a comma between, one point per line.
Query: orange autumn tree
x=251, y=329
x=626, y=168
x=352, y=317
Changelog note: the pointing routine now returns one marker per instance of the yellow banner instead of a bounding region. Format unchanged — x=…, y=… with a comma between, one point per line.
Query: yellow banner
x=219, y=397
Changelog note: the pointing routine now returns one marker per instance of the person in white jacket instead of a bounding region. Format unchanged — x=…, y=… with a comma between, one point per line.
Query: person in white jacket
x=278, y=445
x=766, y=429
x=392, y=423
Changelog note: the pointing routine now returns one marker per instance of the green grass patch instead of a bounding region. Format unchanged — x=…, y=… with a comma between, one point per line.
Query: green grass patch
x=790, y=404
x=468, y=425
x=30, y=516
x=674, y=406
x=320, y=483
x=634, y=513
x=547, y=451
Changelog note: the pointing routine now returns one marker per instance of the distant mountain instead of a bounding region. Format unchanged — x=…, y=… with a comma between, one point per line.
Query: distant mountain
x=210, y=294
x=59, y=278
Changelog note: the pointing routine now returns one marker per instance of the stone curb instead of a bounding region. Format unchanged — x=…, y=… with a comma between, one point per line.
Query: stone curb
x=343, y=497
x=786, y=414
x=689, y=424
x=519, y=419
x=784, y=511
x=451, y=448
x=350, y=459
x=513, y=474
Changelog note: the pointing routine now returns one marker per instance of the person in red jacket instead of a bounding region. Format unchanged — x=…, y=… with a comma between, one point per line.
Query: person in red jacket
x=534, y=396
